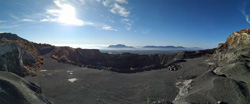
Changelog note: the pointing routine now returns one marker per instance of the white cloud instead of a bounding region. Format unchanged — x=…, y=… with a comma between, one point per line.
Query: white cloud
x=128, y=28
x=82, y=1
x=19, y=19
x=13, y=16
x=106, y=3
x=145, y=32
x=7, y=26
x=244, y=13
x=105, y=27
x=111, y=20
x=125, y=20
x=66, y=14
x=27, y=20
x=122, y=1
x=128, y=23
x=48, y=18
x=1, y=21
x=246, y=16
x=116, y=8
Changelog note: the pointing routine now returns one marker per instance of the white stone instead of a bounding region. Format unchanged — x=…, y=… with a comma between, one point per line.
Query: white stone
x=72, y=80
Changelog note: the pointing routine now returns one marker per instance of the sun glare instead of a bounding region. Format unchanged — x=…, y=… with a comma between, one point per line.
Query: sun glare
x=68, y=16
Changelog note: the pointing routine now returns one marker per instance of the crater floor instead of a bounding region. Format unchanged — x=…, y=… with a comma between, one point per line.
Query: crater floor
x=68, y=84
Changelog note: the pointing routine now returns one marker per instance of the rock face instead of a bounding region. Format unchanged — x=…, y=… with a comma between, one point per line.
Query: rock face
x=15, y=90
x=10, y=36
x=18, y=56
x=239, y=39
x=210, y=88
x=233, y=59
x=23, y=57
x=237, y=44
x=228, y=82
x=124, y=63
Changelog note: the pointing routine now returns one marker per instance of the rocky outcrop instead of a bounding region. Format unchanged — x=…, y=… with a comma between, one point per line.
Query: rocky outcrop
x=20, y=57
x=237, y=44
x=44, y=48
x=10, y=36
x=23, y=57
x=95, y=59
x=15, y=90
x=210, y=88
x=238, y=39
x=126, y=62
x=229, y=76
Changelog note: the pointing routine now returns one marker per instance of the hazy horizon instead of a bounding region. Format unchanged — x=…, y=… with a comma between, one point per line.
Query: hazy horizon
x=99, y=23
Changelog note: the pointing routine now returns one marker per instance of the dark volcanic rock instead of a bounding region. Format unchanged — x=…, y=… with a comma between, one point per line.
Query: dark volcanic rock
x=125, y=63
x=23, y=57
x=174, y=67
x=210, y=88
x=15, y=90
x=44, y=48
x=233, y=57
x=18, y=56
x=10, y=36
x=228, y=82
x=199, y=53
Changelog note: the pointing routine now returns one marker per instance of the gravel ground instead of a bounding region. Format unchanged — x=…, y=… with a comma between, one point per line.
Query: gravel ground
x=68, y=84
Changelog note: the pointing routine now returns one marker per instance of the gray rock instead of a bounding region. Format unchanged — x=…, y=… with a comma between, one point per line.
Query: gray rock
x=15, y=90
x=228, y=82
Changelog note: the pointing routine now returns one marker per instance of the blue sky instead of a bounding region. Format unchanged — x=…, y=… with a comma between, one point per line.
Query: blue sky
x=98, y=23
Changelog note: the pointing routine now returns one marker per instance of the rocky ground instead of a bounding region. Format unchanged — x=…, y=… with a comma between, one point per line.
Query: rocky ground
x=228, y=81
x=216, y=76
x=68, y=84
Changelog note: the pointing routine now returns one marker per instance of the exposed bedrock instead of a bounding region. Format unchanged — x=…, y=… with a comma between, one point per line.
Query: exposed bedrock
x=228, y=81
x=23, y=57
x=18, y=56
x=125, y=62
x=211, y=88
x=15, y=90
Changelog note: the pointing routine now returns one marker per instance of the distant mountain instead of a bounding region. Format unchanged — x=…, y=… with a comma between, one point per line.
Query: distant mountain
x=165, y=47
x=119, y=46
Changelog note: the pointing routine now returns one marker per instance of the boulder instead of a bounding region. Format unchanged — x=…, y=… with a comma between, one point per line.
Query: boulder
x=16, y=90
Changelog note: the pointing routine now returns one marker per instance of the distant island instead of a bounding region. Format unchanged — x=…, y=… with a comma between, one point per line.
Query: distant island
x=119, y=46
x=165, y=47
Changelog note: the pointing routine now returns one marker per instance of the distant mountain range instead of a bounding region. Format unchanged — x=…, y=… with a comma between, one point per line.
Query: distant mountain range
x=165, y=47
x=119, y=46
x=122, y=46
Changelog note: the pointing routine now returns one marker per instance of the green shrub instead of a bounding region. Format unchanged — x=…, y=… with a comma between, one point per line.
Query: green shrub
x=148, y=100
